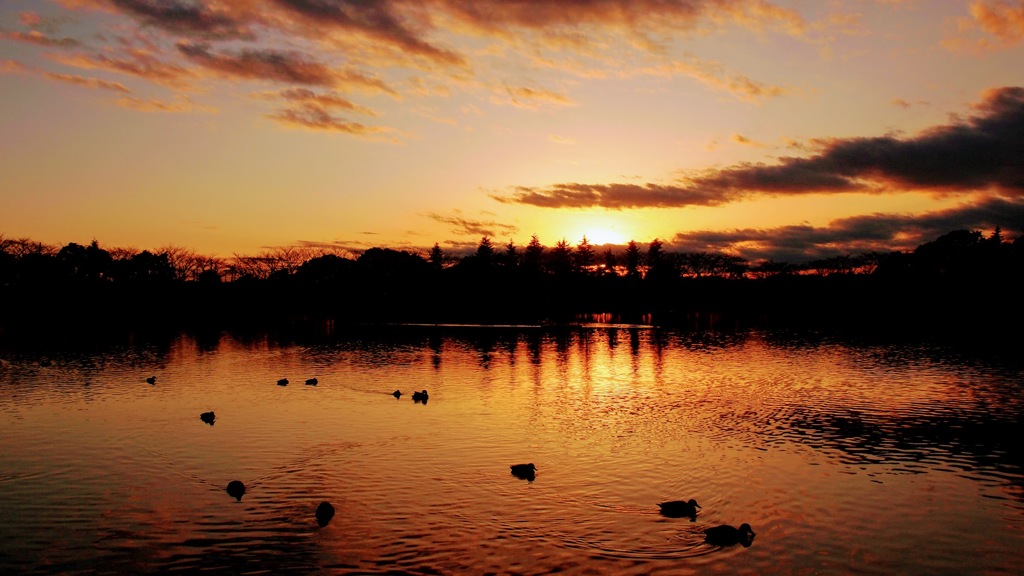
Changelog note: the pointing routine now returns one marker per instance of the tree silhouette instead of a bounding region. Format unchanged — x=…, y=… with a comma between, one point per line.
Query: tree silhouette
x=583, y=258
x=971, y=275
x=560, y=259
x=485, y=252
x=632, y=260
x=533, y=256
x=610, y=263
x=510, y=259
x=437, y=257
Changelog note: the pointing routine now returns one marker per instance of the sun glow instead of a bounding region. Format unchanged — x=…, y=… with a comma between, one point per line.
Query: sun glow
x=598, y=236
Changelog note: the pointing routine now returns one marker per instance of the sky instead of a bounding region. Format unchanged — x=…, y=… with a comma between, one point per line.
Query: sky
x=782, y=130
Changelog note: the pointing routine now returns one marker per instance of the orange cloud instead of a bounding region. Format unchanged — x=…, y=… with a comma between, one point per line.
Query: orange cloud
x=88, y=82
x=12, y=67
x=712, y=74
x=153, y=105
x=1001, y=19
x=531, y=98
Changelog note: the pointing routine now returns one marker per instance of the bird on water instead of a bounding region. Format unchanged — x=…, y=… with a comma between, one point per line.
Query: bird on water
x=726, y=535
x=324, y=513
x=236, y=489
x=312, y=381
x=397, y=393
x=208, y=417
x=679, y=508
x=524, y=471
x=151, y=380
x=282, y=382
x=420, y=396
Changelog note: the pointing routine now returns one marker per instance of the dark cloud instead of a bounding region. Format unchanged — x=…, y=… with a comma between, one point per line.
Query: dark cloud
x=397, y=23
x=289, y=67
x=856, y=234
x=193, y=18
x=984, y=152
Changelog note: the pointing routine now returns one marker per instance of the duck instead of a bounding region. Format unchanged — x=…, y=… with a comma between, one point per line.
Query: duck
x=524, y=471
x=397, y=393
x=151, y=380
x=208, y=417
x=282, y=382
x=324, y=513
x=312, y=381
x=236, y=489
x=726, y=535
x=420, y=396
x=679, y=508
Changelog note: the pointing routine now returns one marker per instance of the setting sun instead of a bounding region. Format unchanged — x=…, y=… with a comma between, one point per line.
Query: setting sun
x=601, y=236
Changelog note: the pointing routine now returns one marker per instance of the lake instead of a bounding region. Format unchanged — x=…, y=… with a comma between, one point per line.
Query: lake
x=844, y=456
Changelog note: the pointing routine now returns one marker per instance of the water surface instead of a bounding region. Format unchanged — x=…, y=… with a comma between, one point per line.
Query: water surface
x=845, y=458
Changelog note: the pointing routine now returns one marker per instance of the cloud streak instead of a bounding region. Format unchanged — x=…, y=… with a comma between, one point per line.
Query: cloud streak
x=468, y=226
x=40, y=39
x=982, y=153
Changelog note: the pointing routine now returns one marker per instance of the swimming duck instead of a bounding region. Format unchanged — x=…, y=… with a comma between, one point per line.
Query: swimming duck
x=679, y=508
x=726, y=535
x=524, y=471
x=312, y=381
x=208, y=417
x=151, y=380
x=324, y=513
x=236, y=489
x=282, y=382
x=397, y=393
x=420, y=396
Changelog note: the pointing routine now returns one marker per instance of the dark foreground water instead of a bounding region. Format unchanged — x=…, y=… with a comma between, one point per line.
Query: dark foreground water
x=844, y=458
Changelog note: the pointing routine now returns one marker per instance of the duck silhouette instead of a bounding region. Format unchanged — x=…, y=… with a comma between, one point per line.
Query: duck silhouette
x=151, y=380
x=420, y=396
x=524, y=471
x=236, y=489
x=397, y=393
x=324, y=513
x=312, y=381
x=679, y=508
x=726, y=535
x=208, y=417
x=282, y=382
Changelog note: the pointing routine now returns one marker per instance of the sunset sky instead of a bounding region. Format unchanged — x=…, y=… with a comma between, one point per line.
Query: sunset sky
x=787, y=130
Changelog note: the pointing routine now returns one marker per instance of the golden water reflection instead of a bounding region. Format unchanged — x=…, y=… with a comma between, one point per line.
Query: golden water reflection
x=842, y=456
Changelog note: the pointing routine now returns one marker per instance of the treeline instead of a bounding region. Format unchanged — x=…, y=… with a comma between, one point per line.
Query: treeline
x=961, y=281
